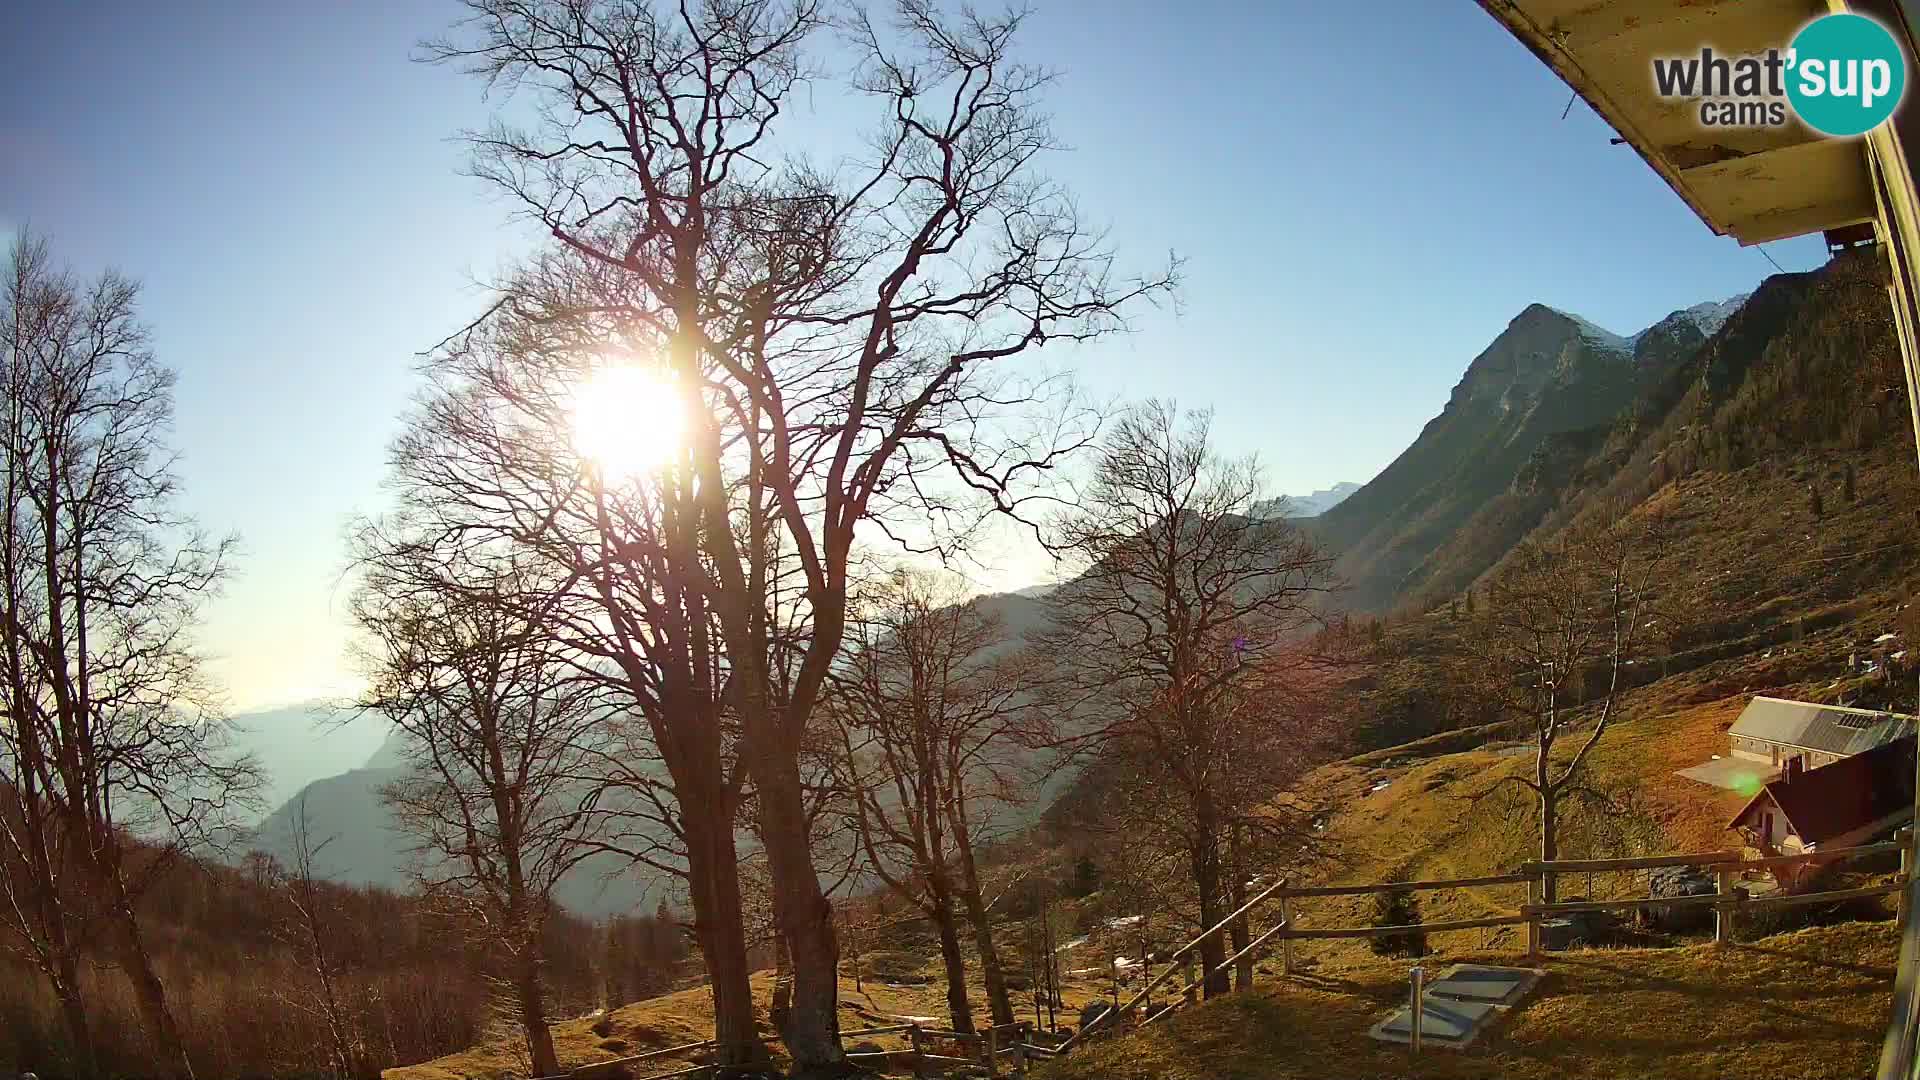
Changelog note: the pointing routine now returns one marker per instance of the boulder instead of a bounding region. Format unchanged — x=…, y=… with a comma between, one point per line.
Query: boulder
x=1676, y=881
x=1093, y=1012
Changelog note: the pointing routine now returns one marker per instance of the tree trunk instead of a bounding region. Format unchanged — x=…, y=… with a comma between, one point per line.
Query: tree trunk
x=1549, y=842
x=1237, y=896
x=149, y=994
x=999, y=1004
x=713, y=879
x=803, y=915
x=73, y=1010
x=532, y=1001
x=956, y=964
x=1206, y=882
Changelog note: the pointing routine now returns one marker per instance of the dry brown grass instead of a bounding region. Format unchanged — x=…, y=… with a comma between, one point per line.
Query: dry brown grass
x=687, y=1017
x=1807, y=1004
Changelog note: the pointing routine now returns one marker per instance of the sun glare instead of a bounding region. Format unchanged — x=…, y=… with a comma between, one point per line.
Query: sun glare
x=626, y=421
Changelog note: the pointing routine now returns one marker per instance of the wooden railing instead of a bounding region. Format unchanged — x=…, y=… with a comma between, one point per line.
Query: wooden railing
x=1013, y=1047
x=1726, y=901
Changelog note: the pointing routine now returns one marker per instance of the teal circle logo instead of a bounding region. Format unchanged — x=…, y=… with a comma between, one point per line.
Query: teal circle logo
x=1846, y=74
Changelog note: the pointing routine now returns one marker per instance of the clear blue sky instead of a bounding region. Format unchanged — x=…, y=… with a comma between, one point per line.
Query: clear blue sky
x=1365, y=195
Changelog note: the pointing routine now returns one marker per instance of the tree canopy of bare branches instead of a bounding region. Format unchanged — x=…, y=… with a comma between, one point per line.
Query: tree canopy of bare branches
x=107, y=726
x=1564, y=618
x=834, y=334
x=1187, y=595
x=939, y=728
x=503, y=732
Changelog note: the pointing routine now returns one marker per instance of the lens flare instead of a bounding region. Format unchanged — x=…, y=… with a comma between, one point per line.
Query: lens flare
x=627, y=421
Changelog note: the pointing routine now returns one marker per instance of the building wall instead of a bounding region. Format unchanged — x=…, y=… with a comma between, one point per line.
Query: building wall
x=1776, y=838
x=1777, y=754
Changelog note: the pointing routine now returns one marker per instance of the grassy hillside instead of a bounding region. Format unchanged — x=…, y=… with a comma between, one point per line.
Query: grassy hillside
x=1812, y=1003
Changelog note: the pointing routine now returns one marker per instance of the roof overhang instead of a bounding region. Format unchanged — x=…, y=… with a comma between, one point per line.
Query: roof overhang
x=1754, y=184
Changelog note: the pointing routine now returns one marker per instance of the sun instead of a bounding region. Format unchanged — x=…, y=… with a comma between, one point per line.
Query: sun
x=627, y=421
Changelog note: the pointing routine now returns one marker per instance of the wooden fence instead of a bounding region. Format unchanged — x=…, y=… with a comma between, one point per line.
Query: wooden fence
x=1727, y=901
x=1008, y=1051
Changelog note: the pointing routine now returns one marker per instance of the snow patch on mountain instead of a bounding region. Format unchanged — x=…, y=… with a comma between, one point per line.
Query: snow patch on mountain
x=1306, y=506
x=1707, y=317
x=1711, y=316
x=1597, y=335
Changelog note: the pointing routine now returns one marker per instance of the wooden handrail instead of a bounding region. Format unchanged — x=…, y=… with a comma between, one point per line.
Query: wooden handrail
x=1171, y=971
x=1181, y=994
x=1812, y=856
x=1405, y=886
x=1383, y=931
x=1573, y=906
x=1789, y=899
x=1564, y=866
x=1251, y=945
x=894, y=1030
x=694, y=1071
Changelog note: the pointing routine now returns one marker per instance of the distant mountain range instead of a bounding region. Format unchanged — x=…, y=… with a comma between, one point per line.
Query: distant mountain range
x=363, y=846
x=298, y=744
x=1306, y=506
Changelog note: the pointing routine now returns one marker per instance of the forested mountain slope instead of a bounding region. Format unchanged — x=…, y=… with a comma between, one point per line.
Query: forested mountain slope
x=1548, y=378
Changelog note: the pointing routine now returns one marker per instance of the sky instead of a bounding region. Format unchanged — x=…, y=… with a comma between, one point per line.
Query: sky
x=1364, y=196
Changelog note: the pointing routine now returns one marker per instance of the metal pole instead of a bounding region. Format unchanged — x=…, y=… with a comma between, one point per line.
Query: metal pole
x=1416, y=1012
x=1905, y=836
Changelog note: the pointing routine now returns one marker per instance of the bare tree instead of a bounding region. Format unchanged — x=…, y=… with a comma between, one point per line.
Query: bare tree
x=310, y=931
x=936, y=732
x=109, y=728
x=488, y=462
x=833, y=332
x=1186, y=597
x=1561, y=626
x=502, y=730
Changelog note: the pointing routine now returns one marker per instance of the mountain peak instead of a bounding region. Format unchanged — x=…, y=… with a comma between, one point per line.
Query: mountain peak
x=1585, y=327
x=1542, y=347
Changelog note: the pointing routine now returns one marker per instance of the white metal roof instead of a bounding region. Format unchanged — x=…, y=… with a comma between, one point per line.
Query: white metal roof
x=1754, y=184
x=1827, y=729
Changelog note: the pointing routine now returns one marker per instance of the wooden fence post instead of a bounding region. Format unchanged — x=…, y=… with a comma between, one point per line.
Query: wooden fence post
x=1286, y=936
x=1020, y=1060
x=1723, y=911
x=919, y=1055
x=992, y=1045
